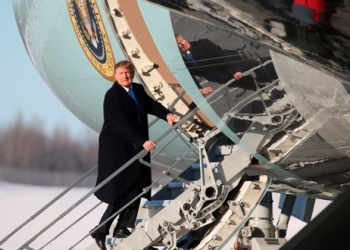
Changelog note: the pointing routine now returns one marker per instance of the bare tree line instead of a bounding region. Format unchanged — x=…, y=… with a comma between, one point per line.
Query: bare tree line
x=27, y=147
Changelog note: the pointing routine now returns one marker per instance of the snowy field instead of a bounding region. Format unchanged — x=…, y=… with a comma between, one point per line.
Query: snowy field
x=20, y=202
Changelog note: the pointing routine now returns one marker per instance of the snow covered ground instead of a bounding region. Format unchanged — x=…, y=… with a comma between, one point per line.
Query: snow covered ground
x=19, y=202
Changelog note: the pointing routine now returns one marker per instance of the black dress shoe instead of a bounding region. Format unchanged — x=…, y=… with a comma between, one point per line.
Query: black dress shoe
x=100, y=239
x=121, y=233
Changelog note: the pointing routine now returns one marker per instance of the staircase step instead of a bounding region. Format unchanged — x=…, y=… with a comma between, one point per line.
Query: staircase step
x=156, y=204
x=176, y=185
x=196, y=166
x=175, y=189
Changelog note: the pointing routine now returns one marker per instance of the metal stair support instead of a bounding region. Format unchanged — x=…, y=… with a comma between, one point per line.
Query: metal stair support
x=248, y=196
x=239, y=211
x=167, y=194
x=195, y=207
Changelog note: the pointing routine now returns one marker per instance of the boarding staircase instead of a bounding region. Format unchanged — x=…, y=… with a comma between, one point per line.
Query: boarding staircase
x=211, y=201
x=204, y=206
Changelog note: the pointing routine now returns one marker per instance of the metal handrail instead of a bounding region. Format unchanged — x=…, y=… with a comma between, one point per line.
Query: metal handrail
x=252, y=96
x=72, y=224
x=209, y=97
x=145, y=190
x=48, y=204
x=164, y=173
x=245, y=73
x=141, y=154
x=65, y=191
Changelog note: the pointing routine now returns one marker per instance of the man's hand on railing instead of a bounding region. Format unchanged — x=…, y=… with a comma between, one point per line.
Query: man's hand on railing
x=149, y=145
x=172, y=119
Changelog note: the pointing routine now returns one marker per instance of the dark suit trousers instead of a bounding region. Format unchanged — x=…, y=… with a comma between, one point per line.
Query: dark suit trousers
x=127, y=217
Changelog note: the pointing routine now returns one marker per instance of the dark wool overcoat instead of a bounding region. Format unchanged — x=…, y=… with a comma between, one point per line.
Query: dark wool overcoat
x=122, y=136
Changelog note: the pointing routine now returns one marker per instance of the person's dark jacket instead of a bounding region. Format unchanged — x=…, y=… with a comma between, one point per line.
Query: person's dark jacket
x=122, y=136
x=212, y=62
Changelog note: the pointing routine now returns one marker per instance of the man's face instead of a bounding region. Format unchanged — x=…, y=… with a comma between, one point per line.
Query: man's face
x=124, y=77
x=183, y=44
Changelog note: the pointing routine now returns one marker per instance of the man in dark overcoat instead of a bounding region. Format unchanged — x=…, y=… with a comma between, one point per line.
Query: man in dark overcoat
x=124, y=134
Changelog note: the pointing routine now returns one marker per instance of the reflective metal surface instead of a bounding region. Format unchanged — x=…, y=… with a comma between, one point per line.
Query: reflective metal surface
x=314, y=32
x=308, y=134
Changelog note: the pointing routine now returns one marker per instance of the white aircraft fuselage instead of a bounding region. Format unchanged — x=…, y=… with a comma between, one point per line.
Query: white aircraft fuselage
x=293, y=125
x=75, y=44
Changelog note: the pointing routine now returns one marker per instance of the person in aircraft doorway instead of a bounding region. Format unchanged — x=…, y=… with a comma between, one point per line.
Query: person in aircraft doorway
x=124, y=134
